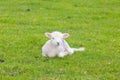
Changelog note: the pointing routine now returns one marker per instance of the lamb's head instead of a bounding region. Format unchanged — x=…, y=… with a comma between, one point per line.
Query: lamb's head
x=56, y=37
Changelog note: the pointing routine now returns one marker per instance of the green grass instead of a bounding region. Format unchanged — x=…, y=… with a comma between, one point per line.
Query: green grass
x=92, y=23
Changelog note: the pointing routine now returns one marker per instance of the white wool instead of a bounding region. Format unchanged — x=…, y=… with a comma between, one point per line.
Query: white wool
x=57, y=46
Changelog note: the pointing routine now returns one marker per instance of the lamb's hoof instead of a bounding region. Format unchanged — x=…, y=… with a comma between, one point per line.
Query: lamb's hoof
x=44, y=55
x=82, y=49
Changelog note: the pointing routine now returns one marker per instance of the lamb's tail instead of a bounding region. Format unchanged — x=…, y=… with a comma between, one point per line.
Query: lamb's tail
x=79, y=49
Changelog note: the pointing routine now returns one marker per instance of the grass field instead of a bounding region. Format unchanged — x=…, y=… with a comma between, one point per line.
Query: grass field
x=92, y=23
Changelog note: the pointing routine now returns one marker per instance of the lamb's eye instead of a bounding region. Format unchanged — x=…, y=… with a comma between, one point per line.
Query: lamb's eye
x=52, y=38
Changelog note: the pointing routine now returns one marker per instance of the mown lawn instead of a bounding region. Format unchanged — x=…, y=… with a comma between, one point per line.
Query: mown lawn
x=95, y=24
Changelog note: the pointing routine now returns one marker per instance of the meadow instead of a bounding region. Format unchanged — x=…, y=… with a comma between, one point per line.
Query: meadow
x=95, y=24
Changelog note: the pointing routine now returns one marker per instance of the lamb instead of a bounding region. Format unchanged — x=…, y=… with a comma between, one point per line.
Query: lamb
x=57, y=45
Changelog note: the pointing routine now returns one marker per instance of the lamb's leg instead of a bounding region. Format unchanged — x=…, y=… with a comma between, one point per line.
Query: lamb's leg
x=72, y=50
x=79, y=49
x=48, y=54
x=44, y=54
x=51, y=55
x=62, y=54
x=67, y=48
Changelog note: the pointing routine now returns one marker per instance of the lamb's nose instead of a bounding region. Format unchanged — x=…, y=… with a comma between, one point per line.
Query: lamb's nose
x=58, y=43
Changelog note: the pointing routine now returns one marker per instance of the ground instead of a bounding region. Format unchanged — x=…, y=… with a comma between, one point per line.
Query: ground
x=95, y=24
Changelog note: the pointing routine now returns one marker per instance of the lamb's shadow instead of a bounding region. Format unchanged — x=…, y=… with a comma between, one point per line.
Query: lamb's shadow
x=47, y=59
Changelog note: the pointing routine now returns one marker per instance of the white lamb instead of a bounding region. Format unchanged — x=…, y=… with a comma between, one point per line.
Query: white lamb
x=57, y=46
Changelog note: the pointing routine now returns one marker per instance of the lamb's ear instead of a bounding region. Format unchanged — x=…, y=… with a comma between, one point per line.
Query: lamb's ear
x=66, y=35
x=47, y=34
